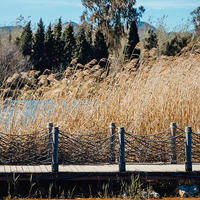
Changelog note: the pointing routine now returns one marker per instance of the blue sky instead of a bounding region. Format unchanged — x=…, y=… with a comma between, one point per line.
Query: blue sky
x=50, y=10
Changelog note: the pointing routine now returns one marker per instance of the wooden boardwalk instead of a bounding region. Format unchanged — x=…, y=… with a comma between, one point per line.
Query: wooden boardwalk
x=146, y=168
x=147, y=172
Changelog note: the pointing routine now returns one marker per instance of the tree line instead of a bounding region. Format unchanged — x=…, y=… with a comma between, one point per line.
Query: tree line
x=55, y=47
x=104, y=24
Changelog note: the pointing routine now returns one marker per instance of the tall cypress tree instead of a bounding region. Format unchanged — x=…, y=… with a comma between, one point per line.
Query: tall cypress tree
x=49, y=48
x=26, y=38
x=58, y=45
x=88, y=35
x=89, y=30
x=82, y=46
x=133, y=39
x=70, y=44
x=38, y=48
x=100, y=47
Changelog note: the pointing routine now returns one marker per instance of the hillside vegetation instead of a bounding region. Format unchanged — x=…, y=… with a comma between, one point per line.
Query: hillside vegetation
x=143, y=86
x=144, y=95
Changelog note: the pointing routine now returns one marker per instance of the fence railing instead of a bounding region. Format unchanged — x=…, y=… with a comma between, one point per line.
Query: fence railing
x=112, y=145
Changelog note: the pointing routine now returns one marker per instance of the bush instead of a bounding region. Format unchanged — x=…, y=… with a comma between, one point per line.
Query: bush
x=174, y=44
x=11, y=61
x=196, y=20
x=166, y=43
x=151, y=41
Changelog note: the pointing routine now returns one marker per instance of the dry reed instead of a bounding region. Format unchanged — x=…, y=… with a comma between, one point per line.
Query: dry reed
x=160, y=93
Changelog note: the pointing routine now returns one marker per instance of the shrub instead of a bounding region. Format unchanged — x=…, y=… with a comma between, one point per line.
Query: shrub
x=100, y=47
x=174, y=44
x=166, y=43
x=133, y=39
x=151, y=41
x=11, y=61
x=196, y=20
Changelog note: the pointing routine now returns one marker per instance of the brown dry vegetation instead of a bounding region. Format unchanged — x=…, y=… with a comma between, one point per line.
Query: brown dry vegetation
x=144, y=100
x=121, y=199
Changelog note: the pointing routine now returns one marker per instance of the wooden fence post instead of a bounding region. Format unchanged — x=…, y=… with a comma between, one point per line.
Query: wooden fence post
x=173, y=143
x=122, y=166
x=112, y=142
x=188, y=149
x=49, y=145
x=50, y=127
x=55, y=150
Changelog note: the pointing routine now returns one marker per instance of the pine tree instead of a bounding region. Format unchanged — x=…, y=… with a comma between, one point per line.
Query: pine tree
x=38, y=48
x=70, y=44
x=196, y=20
x=17, y=41
x=88, y=35
x=112, y=16
x=58, y=45
x=133, y=39
x=26, y=38
x=100, y=47
x=49, y=48
x=82, y=46
x=151, y=41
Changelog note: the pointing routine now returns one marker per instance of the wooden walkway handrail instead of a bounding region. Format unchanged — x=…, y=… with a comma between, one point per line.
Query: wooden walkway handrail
x=166, y=146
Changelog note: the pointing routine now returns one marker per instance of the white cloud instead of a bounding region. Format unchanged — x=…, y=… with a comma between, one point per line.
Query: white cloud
x=176, y=4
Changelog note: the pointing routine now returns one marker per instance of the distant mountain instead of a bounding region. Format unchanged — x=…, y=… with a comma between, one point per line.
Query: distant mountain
x=143, y=27
x=7, y=29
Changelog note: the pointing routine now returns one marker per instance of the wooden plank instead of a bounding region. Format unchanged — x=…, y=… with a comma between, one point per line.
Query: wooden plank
x=7, y=169
x=49, y=168
x=37, y=169
x=160, y=168
x=26, y=169
x=77, y=168
x=67, y=168
x=31, y=169
x=43, y=169
x=196, y=167
x=19, y=169
x=13, y=168
x=2, y=169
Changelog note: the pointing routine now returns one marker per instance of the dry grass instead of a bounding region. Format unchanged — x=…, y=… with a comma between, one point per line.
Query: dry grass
x=163, y=90
x=160, y=93
x=11, y=59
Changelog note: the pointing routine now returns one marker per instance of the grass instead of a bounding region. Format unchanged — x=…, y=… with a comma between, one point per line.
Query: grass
x=147, y=103
x=162, y=91
x=120, y=189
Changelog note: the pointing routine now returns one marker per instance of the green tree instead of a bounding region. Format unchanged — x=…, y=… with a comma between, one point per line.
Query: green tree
x=38, y=48
x=133, y=39
x=88, y=35
x=26, y=39
x=49, y=48
x=82, y=46
x=151, y=41
x=196, y=20
x=17, y=41
x=175, y=43
x=58, y=46
x=100, y=47
x=112, y=16
x=70, y=44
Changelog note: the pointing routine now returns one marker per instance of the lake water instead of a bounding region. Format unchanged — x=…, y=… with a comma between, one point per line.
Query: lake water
x=27, y=110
